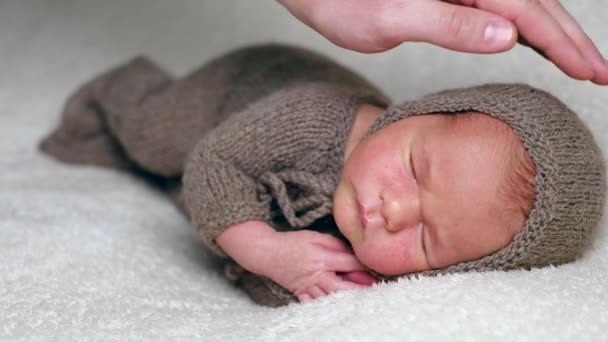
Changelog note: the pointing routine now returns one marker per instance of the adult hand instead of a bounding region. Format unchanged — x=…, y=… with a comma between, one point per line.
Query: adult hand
x=478, y=26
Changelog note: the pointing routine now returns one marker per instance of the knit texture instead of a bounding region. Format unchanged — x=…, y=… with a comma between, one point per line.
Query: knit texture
x=257, y=133
x=570, y=175
x=280, y=159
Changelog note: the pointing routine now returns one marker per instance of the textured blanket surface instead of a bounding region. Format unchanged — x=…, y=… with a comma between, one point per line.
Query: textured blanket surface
x=94, y=254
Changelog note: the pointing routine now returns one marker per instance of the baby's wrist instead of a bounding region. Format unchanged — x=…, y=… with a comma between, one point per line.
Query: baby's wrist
x=268, y=253
x=251, y=244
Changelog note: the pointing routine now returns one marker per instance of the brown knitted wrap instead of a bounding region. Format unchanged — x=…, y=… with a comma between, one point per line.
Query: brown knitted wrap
x=259, y=133
x=256, y=133
x=570, y=174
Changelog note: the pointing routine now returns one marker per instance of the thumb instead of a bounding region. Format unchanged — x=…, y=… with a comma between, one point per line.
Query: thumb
x=458, y=28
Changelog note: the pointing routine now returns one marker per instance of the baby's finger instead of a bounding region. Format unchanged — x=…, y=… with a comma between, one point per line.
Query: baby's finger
x=316, y=292
x=304, y=297
x=542, y=31
x=585, y=45
x=332, y=243
x=332, y=283
x=359, y=277
x=343, y=262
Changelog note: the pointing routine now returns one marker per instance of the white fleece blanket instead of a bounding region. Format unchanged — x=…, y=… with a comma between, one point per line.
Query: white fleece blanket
x=93, y=254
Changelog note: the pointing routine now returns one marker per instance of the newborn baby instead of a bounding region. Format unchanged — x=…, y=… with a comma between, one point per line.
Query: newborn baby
x=268, y=148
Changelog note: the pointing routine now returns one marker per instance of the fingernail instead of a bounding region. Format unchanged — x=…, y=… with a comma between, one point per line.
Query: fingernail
x=498, y=33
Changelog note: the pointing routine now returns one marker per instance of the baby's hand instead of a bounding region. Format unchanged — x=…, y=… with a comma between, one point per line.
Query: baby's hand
x=311, y=265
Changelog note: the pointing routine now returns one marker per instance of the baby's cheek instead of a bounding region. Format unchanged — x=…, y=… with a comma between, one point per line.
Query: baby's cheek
x=392, y=254
x=343, y=211
x=373, y=255
x=407, y=251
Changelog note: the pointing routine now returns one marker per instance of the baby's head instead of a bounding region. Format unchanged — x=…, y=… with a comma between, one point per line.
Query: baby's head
x=430, y=191
x=458, y=189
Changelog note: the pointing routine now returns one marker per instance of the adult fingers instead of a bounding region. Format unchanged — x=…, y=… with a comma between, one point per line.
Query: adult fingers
x=542, y=31
x=521, y=40
x=453, y=27
x=584, y=44
x=374, y=26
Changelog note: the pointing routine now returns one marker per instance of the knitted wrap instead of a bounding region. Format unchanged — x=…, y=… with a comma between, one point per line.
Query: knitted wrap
x=570, y=174
x=259, y=133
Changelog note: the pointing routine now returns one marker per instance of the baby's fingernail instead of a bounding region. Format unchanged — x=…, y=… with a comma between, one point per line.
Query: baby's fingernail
x=498, y=33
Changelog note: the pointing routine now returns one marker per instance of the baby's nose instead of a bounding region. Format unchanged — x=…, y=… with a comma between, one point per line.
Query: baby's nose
x=401, y=212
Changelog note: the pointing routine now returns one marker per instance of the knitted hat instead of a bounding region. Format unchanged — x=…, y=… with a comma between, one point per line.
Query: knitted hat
x=570, y=181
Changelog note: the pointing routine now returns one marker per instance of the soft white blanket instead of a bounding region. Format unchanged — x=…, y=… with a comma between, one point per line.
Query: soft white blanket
x=93, y=254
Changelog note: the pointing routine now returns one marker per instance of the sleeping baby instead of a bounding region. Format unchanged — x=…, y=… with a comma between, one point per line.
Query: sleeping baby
x=302, y=176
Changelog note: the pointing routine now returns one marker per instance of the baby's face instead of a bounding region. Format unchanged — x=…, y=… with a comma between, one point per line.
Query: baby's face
x=421, y=194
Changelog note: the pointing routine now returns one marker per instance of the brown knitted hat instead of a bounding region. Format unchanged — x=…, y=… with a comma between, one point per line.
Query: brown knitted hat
x=570, y=175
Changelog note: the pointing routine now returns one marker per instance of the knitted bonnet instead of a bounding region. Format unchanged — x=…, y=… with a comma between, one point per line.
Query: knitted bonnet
x=570, y=181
